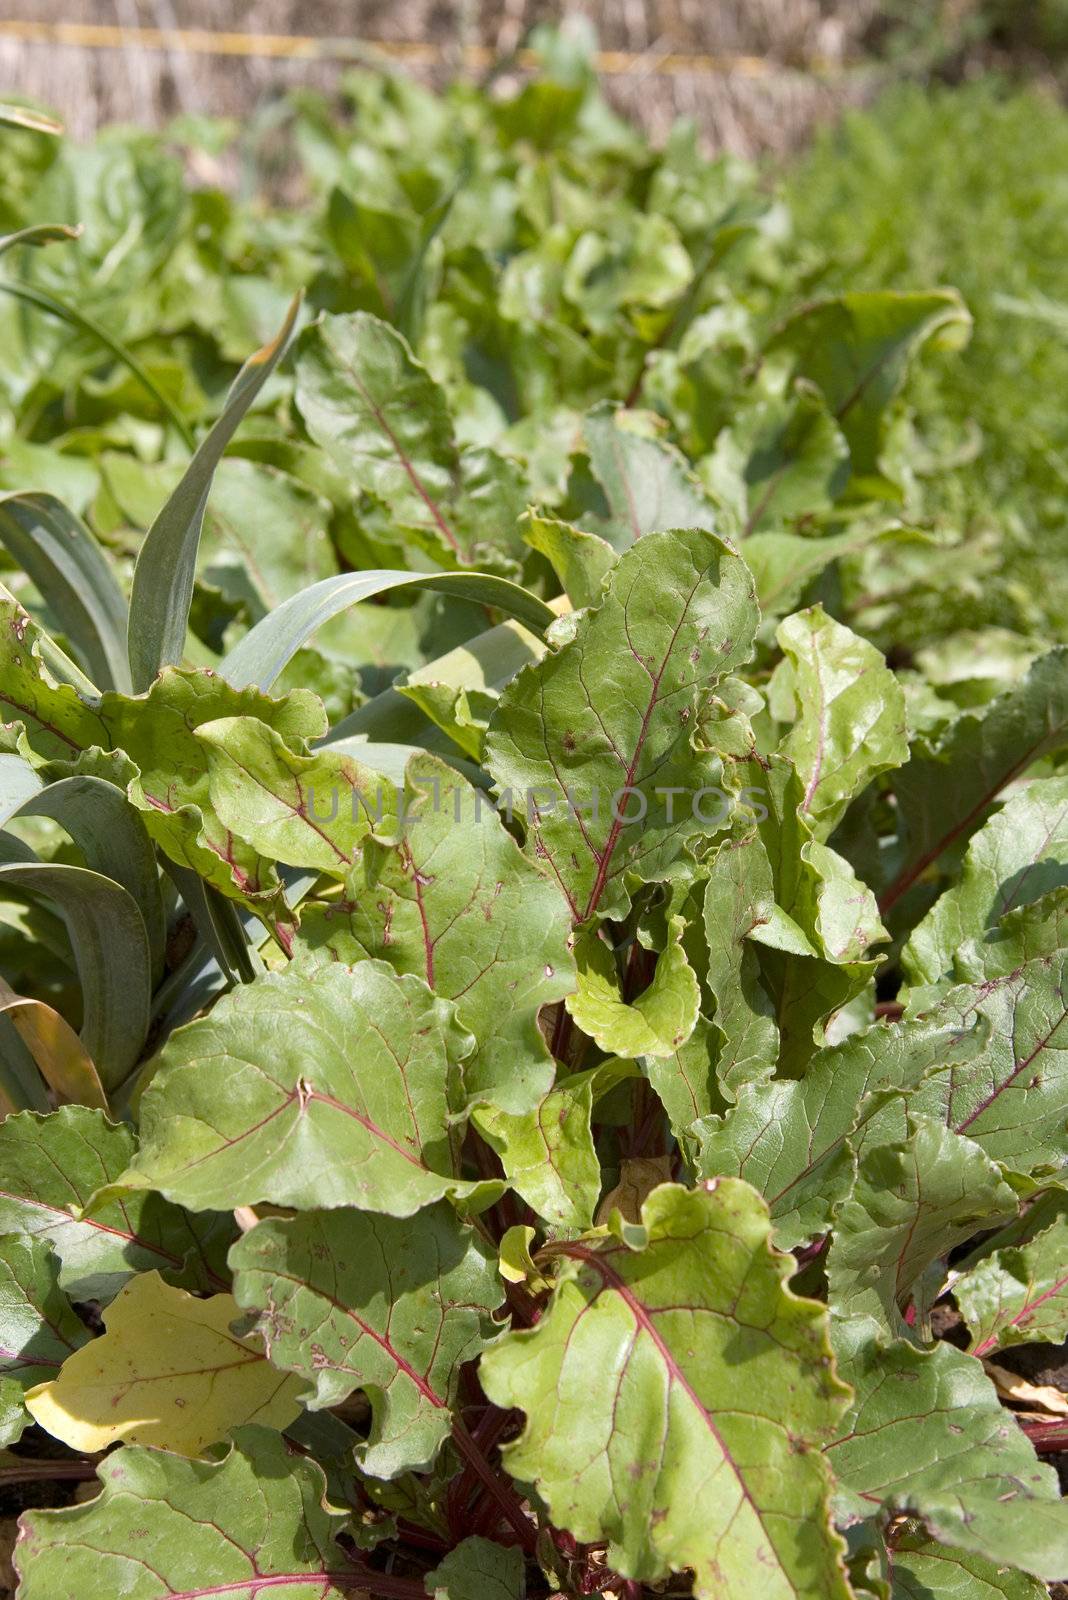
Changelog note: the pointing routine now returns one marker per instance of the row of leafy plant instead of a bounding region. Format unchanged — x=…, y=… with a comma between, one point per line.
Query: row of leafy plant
x=521, y=1028
x=966, y=187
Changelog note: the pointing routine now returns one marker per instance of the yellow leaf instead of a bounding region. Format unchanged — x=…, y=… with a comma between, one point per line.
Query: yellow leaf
x=1013, y=1387
x=638, y=1177
x=59, y=1054
x=516, y=1264
x=167, y=1372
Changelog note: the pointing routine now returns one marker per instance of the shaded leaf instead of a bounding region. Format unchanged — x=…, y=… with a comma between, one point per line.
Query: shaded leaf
x=945, y=789
x=52, y=1165
x=69, y=568
x=111, y=949
x=478, y=1569
x=911, y=1203
x=924, y=1569
x=856, y=349
x=1018, y=856
x=790, y=1139
x=38, y=1327
x=738, y=895
x=647, y=483
x=1018, y=1294
x=927, y=1436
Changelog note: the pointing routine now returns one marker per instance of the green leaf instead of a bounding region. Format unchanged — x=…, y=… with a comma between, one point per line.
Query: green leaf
x=815, y=935
x=457, y=903
x=166, y=566
x=51, y=1167
x=112, y=954
x=38, y=1327
x=308, y=811
x=856, y=348
x=548, y=1154
x=1012, y=1099
x=944, y=791
x=385, y=422
x=644, y=1330
x=69, y=568
x=738, y=895
x=847, y=710
x=911, y=1204
x=171, y=786
x=643, y=264
x=379, y=414
x=686, y=1083
x=478, y=1569
x=926, y=1436
x=351, y=1301
x=464, y=683
x=14, y=1418
x=647, y=485
x=256, y=1516
x=112, y=839
x=1018, y=856
x=790, y=1139
x=924, y=1569
x=78, y=319
x=780, y=459
x=784, y=564
x=609, y=721
x=657, y=1022
x=341, y=1087
x=267, y=648
x=1019, y=1294
x=25, y=117
x=581, y=560
x=57, y=721
x=167, y=1371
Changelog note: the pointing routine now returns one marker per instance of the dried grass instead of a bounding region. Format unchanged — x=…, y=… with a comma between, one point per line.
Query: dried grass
x=805, y=50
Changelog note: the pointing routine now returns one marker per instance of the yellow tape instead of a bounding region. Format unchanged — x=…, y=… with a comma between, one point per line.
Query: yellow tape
x=307, y=47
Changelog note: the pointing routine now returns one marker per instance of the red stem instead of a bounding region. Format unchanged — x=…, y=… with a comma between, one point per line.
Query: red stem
x=28, y=1471
x=1048, y=1438
x=561, y=1034
x=381, y=1584
x=495, y=1485
x=811, y=1252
